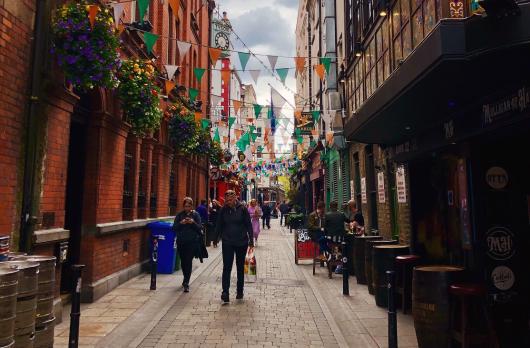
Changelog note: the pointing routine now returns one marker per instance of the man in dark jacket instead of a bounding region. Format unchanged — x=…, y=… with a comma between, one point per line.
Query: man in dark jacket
x=266, y=217
x=235, y=229
x=284, y=209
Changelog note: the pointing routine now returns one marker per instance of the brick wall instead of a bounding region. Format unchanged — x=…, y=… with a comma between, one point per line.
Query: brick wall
x=16, y=30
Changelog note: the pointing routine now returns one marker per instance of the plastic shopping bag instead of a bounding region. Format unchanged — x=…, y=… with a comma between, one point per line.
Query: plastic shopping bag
x=250, y=266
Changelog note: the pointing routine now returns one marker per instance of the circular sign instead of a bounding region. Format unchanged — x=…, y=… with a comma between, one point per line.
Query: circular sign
x=497, y=178
x=241, y=156
x=500, y=243
x=215, y=173
x=502, y=278
x=227, y=156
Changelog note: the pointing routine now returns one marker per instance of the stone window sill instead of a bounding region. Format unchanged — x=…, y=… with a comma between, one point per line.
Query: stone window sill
x=115, y=227
x=51, y=235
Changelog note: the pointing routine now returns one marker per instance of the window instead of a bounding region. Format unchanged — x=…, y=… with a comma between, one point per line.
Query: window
x=172, y=191
x=371, y=186
x=153, y=192
x=357, y=181
x=171, y=39
x=142, y=185
x=127, y=204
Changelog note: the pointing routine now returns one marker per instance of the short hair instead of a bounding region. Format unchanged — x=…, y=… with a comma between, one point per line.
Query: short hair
x=334, y=205
x=321, y=205
x=352, y=202
x=230, y=193
x=187, y=200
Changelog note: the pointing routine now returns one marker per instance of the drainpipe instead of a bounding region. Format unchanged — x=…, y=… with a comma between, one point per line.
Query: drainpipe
x=30, y=200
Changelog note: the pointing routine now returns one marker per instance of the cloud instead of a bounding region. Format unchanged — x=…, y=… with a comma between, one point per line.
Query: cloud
x=266, y=27
x=288, y=3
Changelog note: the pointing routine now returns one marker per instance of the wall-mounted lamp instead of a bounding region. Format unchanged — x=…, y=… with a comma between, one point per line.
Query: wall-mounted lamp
x=358, y=48
x=384, y=6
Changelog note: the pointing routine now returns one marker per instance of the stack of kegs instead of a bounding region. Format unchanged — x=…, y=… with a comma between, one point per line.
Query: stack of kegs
x=26, y=304
x=8, y=304
x=4, y=248
x=44, y=319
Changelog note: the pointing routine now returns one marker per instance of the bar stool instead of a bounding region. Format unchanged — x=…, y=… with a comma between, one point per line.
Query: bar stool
x=404, y=264
x=466, y=294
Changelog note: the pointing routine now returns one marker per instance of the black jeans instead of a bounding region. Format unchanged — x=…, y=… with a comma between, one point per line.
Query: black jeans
x=186, y=252
x=266, y=220
x=228, y=261
x=282, y=218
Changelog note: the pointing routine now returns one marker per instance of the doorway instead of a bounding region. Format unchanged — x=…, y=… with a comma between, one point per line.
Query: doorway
x=74, y=196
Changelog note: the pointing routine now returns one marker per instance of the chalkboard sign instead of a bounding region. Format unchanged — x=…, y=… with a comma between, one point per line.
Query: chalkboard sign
x=304, y=248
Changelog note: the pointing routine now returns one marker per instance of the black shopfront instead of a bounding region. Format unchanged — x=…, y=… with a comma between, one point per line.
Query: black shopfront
x=457, y=113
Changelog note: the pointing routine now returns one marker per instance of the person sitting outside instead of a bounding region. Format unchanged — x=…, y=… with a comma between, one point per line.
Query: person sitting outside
x=316, y=228
x=335, y=231
x=355, y=219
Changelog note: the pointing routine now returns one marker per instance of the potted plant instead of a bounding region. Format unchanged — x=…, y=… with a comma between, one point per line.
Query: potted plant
x=139, y=93
x=183, y=130
x=88, y=55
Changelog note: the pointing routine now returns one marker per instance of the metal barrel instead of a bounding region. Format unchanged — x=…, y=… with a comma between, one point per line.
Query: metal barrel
x=383, y=259
x=8, y=304
x=13, y=255
x=44, y=334
x=359, y=248
x=46, y=286
x=369, y=245
x=431, y=305
x=28, y=272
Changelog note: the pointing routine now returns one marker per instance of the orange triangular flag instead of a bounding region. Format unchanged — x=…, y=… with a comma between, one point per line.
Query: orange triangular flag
x=121, y=28
x=298, y=115
x=314, y=132
x=320, y=70
x=169, y=86
x=238, y=133
x=198, y=116
x=329, y=137
x=92, y=13
x=225, y=75
x=225, y=140
x=174, y=7
x=237, y=105
x=215, y=53
x=300, y=64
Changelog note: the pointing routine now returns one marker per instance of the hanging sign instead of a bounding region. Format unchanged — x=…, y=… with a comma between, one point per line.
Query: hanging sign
x=500, y=243
x=497, y=178
x=381, y=187
x=241, y=156
x=364, y=199
x=401, y=185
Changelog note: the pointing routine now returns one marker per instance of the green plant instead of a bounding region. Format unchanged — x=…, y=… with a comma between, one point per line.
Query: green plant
x=139, y=95
x=183, y=130
x=87, y=55
x=216, y=154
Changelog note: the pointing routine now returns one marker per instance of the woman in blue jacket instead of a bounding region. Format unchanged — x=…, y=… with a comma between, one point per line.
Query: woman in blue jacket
x=187, y=227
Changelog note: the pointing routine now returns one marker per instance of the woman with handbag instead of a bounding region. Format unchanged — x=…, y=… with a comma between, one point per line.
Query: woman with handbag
x=187, y=227
x=255, y=215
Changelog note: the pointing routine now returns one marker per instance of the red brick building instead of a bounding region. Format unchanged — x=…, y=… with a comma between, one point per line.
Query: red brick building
x=71, y=170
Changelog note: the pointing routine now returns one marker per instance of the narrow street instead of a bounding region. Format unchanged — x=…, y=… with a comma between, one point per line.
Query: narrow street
x=286, y=307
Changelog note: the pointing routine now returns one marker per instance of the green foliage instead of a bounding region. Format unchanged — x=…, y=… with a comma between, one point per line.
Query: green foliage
x=139, y=95
x=88, y=56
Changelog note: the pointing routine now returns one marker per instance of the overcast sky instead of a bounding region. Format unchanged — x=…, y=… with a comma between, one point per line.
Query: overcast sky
x=266, y=27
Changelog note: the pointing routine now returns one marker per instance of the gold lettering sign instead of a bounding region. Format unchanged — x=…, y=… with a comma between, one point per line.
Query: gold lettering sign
x=456, y=8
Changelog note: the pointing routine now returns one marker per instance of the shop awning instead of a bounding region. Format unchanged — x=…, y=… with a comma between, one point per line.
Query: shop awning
x=459, y=64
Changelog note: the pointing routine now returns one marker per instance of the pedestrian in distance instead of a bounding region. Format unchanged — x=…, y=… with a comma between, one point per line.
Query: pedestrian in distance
x=187, y=226
x=234, y=228
x=284, y=209
x=212, y=221
x=266, y=215
x=255, y=214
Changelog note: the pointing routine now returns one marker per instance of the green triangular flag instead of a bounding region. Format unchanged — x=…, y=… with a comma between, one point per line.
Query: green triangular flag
x=252, y=128
x=216, y=136
x=298, y=132
x=269, y=113
x=260, y=148
x=316, y=115
x=282, y=73
x=150, y=39
x=205, y=123
x=257, y=109
x=231, y=121
x=246, y=138
x=142, y=7
x=254, y=136
x=313, y=143
x=198, y=73
x=193, y=94
x=300, y=139
x=243, y=58
x=326, y=61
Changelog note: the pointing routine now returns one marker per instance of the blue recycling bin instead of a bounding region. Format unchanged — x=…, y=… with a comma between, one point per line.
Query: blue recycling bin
x=167, y=245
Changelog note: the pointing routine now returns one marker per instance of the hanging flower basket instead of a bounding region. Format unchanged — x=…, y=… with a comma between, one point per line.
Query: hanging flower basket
x=139, y=93
x=87, y=55
x=215, y=154
x=183, y=130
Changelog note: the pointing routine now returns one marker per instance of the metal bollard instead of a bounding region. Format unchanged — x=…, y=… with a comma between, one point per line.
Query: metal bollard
x=75, y=312
x=392, y=319
x=346, y=265
x=154, y=263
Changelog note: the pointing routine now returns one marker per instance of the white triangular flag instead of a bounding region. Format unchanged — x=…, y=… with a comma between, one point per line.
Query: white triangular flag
x=184, y=47
x=215, y=100
x=118, y=12
x=272, y=61
x=255, y=75
x=171, y=70
x=277, y=98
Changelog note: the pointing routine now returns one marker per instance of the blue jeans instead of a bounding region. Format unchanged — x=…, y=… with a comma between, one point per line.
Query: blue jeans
x=323, y=243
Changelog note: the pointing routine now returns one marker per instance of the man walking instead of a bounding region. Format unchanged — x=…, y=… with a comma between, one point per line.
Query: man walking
x=284, y=209
x=235, y=229
x=266, y=217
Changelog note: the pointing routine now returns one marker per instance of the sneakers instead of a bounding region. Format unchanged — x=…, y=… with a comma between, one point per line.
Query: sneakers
x=225, y=297
x=239, y=295
x=186, y=288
